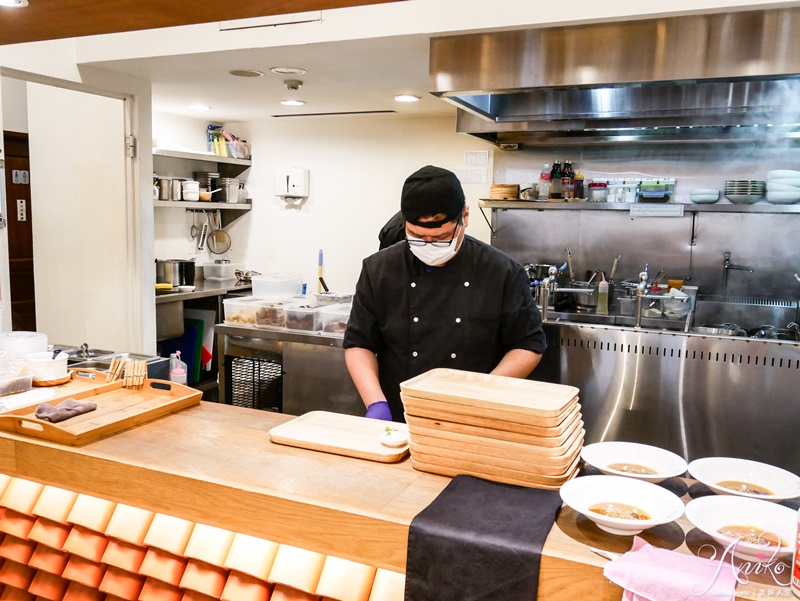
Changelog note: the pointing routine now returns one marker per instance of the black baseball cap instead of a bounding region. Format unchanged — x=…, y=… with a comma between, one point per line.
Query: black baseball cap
x=431, y=191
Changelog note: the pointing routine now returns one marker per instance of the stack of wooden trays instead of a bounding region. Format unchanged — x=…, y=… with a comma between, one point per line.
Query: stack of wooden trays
x=504, y=192
x=502, y=429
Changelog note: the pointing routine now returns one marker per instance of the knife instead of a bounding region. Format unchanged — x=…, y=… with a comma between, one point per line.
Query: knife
x=569, y=262
x=614, y=269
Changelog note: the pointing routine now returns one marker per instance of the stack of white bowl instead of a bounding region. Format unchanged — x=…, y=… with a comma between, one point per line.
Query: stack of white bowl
x=704, y=195
x=783, y=186
x=744, y=192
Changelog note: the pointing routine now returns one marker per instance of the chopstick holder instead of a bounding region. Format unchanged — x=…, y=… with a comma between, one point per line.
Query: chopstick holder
x=648, y=573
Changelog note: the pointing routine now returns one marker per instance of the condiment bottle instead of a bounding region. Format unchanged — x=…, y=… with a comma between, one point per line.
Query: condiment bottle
x=579, y=191
x=555, y=180
x=177, y=368
x=602, y=297
x=544, y=183
x=796, y=562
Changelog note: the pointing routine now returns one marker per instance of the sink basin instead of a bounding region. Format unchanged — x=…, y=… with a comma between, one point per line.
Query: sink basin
x=92, y=364
x=74, y=356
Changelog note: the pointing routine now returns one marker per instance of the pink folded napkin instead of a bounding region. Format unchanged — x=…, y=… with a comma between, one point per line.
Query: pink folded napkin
x=648, y=573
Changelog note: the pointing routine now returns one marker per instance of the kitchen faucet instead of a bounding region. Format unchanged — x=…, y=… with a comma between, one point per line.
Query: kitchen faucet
x=728, y=265
x=550, y=286
x=83, y=351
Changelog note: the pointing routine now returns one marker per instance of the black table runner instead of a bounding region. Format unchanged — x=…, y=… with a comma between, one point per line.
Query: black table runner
x=479, y=540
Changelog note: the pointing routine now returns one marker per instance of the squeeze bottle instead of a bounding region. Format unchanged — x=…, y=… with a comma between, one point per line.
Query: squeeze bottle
x=602, y=297
x=177, y=368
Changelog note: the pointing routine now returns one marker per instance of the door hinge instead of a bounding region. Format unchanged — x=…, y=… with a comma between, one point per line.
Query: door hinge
x=130, y=147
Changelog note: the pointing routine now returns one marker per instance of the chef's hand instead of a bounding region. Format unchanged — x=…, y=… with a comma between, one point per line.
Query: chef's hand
x=379, y=410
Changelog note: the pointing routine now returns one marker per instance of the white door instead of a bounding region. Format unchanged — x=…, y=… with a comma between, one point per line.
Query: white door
x=84, y=264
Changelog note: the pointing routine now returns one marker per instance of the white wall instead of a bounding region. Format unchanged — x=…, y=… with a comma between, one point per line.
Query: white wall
x=15, y=105
x=173, y=132
x=357, y=166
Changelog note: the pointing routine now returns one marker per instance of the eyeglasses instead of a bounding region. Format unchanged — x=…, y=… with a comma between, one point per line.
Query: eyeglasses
x=437, y=243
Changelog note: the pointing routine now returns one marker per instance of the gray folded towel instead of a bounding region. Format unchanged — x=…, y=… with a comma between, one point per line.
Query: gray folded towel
x=64, y=410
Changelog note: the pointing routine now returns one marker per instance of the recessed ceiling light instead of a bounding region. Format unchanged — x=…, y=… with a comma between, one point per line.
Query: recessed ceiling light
x=246, y=73
x=199, y=107
x=406, y=98
x=288, y=70
x=14, y=3
x=292, y=102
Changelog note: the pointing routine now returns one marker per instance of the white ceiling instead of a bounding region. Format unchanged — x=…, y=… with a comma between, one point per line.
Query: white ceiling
x=341, y=76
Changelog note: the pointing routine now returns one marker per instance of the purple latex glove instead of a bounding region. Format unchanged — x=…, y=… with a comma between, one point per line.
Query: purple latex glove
x=379, y=410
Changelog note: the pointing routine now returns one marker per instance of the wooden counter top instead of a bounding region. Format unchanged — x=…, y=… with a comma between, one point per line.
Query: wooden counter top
x=215, y=464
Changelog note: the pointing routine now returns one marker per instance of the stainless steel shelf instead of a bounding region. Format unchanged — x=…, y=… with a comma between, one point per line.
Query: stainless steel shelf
x=759, y=207
x=212, y=158
x=185, y=204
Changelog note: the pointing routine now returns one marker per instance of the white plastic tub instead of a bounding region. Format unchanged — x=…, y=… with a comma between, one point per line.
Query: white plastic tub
x=277, y=286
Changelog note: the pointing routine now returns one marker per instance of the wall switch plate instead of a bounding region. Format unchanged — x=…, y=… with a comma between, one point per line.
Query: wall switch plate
x=22, y=211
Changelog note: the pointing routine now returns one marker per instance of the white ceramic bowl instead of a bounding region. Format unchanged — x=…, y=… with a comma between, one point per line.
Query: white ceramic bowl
x=45, y=368
x=704, y=191
x=743, y=199
x=660, y=505
x=780, y=173
x=704, y=198
x=783, y=198
x=786, y=181
x=709, y=514
x=713, y=470
x=778, y=187
x=604, y=454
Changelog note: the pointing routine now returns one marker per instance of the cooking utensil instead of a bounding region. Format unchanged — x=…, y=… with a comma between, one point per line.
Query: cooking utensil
x=569, y=263
x=614, y=269
x=219, y=241
x=324, y=285
x=203, y=235
x=194, y=230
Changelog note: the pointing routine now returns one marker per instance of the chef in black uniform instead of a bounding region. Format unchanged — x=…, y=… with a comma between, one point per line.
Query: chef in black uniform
x=442, y=299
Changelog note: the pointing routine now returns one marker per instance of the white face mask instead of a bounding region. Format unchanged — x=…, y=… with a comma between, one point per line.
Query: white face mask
x=434, y=255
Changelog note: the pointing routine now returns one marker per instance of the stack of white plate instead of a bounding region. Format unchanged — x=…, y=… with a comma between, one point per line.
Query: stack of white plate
x=22, y=343
x=744, y=192
x=509, y=430
x=783, y=187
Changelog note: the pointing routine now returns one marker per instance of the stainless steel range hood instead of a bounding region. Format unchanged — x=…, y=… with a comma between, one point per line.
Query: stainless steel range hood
x=700, y=78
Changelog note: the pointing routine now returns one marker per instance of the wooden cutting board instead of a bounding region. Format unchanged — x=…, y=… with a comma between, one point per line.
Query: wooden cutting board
x=118, y=409
x=477, y=463
x=485, y=391
x=411, y=404
x=494, y=475
x=423, y=409
x=502, y=449
x=458, y=428
x=340, y=434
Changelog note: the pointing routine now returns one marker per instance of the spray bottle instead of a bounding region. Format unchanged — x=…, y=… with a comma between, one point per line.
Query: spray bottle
x=602, y=297
x=177, y=368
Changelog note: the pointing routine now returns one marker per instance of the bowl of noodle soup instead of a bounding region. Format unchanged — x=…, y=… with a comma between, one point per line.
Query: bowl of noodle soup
x=745, y=478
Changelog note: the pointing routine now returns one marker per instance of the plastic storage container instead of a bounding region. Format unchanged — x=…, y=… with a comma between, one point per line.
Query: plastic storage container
x=219, y=271
x=241, y=310
x=277, y=286
x=13, y=384
x=332, y=298
x=334, y=318
x=303, y=317
x=272, y=314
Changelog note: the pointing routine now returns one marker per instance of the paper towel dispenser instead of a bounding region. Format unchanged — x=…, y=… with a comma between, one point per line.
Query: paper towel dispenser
x=292, y=183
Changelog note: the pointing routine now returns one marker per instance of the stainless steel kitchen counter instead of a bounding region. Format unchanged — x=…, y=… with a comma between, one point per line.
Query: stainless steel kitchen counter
x=205, y=288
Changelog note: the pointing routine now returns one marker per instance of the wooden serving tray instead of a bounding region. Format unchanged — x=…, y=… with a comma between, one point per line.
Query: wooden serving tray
x=546, y=440
x=495, y=475
x=340, y=434
x=118, y=409
x=485, y=391
x=504, y=450
x=454, y=458
x=424, y=410
x=414, y=406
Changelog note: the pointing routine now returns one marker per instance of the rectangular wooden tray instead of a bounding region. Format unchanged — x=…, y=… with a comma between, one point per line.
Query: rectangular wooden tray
x=495, y=475
x=340, y=434
x=430, y=411
x=504, y=450
x=118, y=409
x=486, y=391
x=416, y=405
x=557, y=438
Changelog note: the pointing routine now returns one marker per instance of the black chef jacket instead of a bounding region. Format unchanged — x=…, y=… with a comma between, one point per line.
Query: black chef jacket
x=466, y=314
